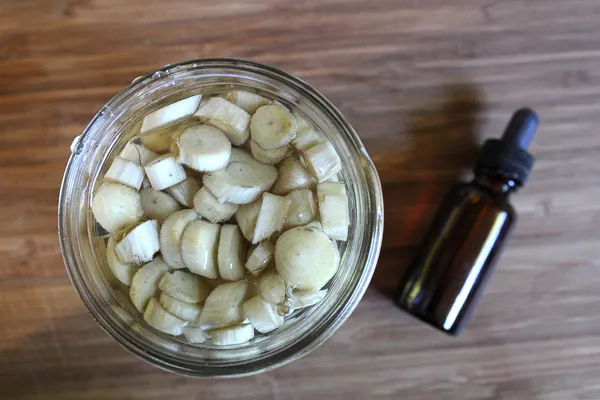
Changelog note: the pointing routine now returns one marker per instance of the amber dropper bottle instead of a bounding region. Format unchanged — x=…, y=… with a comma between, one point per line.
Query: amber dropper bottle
x=458, y=253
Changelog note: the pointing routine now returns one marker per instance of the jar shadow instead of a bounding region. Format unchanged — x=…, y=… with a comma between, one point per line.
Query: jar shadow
x=439, y=147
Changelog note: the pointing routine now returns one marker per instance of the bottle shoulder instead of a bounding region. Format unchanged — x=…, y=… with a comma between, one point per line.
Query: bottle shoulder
x=469, y=192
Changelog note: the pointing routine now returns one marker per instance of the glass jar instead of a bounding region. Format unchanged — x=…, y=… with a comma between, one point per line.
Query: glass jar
x=83, y=247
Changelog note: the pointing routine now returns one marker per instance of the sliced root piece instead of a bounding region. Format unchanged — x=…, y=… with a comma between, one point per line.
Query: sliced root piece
x=247, y=101
x=180, y=309
x=171, y=113
x=307, y=138
x=122, y=271
x=301, y=122
x=333, y=179
x=194, y=334
x=306, y=258
x=267, y=156
x=140, y=244
x=185, y=191
x=235, y=335
x=137, y=153
x=298, y=299
x=273, y=127
x=262, y=315
x=322, y=161
x=271, y=287
x=227, y=117
x=170, y=236
x=184, y=286
x=160, y=140
x=303, y=208
x=125, y=172
x=207, y=206
x=223, y=307
x=292, y=176
x=271, y=216
x=164, y=172
x=199, y=245
x=260, y=257
x=158, y=205
x=116, y=206
x=232, y=253
x=203, y=148
x=144, y=284
x=242, y=181
x=333, y=208
x=315, y=224
x=158, y=318
x=246, y=217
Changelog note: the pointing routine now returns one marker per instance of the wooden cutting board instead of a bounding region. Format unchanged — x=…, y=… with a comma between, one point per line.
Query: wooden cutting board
x=424, y=83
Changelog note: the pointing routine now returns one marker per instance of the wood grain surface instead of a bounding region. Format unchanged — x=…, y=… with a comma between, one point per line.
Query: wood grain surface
x=423, y=82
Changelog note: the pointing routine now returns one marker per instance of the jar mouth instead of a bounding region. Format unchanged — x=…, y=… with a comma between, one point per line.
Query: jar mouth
x=83, y=252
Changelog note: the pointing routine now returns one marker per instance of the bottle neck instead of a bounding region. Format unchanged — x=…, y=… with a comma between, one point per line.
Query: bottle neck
x=496, y=185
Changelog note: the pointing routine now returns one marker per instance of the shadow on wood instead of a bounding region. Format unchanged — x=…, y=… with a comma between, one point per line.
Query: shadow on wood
x=440, y=146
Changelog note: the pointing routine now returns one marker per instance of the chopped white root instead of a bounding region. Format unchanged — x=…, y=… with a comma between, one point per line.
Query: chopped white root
x=116, y=206
x=122, y=271
x=267, y=156
x=207, y=206
x=180, y=309
x=157, y=317
x=194, y=334
x=232, y=253
x=144, y=284
x=303, y=208
x=125, y=172
x=247, y=101
x=243, y=181
x=171, y=113
x=226, y=116
x=307, y=138
x=333, y=208
x=138, y=153
x=322, y=161
x=271, y=287
x=246, y=217
x=171, y=232
x=199, y=246
x=273, y=127
x=185, y=191
x=203, y=148
x=298, y=299
x=292, y=176
x=140, y=244
x=164, y=172
x=184, y=286
x=301, y=122
x=315, y=224
x=223, y=306
x=260, y=257
x=158, y=205
x=333, y=179
x=262, y=315
x=160, y=140
x=235, y=335
x=306, y=258
x=271, y=216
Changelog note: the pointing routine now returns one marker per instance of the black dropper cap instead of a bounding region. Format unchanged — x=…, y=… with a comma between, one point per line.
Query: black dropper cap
x=508, y=156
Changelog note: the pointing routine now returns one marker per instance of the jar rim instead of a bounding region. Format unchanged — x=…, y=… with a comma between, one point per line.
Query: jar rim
x=72, y=251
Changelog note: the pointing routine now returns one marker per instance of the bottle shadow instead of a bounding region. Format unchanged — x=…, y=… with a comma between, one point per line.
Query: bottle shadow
x=439, y=147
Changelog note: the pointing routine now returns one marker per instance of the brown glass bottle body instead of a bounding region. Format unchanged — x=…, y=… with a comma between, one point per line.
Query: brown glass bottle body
x=458, y=253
